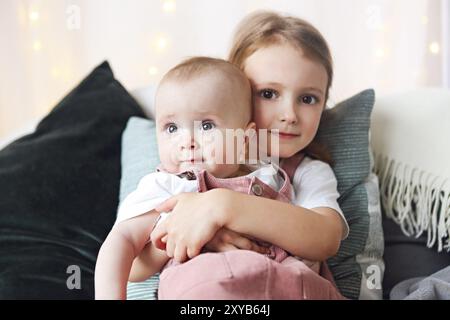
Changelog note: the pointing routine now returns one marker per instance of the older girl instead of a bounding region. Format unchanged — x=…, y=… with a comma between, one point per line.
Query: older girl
x=289, y=66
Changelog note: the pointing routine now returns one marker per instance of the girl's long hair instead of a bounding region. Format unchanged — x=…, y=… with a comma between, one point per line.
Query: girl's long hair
x=264, y=28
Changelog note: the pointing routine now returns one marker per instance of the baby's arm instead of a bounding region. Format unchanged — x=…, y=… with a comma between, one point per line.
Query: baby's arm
x=125, y=241
x=224, y=240
x=150, y=261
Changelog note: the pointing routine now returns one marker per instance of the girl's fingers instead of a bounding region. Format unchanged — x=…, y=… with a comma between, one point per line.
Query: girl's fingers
x=227, y=247
x=170, y=247
x=158, y=234
x=167, y=205
x=247, y=244
x=193, y=252
x=180, y=253
x=221, y=247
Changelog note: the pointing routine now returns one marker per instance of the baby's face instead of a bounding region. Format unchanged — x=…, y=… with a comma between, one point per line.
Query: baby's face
x=190, y=117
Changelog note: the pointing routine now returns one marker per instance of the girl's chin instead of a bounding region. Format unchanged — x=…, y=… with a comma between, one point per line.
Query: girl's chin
x=284, y=153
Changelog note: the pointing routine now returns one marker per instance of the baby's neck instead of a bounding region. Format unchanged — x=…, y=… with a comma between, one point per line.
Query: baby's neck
x=242, y=171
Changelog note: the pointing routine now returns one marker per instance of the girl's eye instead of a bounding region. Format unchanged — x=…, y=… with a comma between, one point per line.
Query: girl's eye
x=308, y=99
x=171, y=128
x=208, y=125
x=268, y=94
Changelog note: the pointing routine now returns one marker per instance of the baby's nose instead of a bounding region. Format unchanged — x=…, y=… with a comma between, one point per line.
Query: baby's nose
x=188, y=143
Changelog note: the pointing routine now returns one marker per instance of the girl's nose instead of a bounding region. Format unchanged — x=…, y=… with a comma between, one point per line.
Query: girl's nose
x=287, y=114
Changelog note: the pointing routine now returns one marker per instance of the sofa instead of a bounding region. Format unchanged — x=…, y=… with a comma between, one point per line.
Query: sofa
x=63, y=171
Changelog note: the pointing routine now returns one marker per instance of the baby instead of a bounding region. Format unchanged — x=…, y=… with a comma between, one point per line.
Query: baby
x=196, y=102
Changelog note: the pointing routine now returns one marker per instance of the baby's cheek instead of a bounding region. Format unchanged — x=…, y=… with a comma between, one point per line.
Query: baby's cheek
x=261, y=117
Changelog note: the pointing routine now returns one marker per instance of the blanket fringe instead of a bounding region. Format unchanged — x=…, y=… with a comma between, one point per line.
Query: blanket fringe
x=416, y=200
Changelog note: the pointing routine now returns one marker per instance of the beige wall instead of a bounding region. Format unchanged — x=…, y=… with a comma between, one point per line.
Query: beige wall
x=375, y=43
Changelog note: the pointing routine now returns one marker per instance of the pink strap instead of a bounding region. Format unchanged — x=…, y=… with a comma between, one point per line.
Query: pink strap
x=291, y=164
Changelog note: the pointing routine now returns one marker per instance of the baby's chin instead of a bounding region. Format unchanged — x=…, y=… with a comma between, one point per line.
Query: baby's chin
x=217, y=170
x=192, y=166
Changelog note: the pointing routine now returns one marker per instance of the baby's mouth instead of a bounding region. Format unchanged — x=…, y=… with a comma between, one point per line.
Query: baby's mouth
x=193, y=160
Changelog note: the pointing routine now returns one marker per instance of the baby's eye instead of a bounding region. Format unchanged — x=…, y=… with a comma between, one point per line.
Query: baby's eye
x=268, y=94
x=171, y=128
x=309, y=99
x=208, y=125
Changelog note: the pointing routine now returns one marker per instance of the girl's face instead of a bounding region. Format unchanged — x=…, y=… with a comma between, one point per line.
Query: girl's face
x=288, y=95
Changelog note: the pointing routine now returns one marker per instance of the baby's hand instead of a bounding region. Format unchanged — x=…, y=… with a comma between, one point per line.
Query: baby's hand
x=226, y=240
x=193, y=221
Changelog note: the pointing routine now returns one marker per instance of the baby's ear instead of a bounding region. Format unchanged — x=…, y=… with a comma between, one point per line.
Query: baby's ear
x=251, y=125
x=250, y=131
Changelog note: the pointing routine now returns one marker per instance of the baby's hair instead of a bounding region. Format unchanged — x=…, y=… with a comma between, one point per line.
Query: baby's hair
x=194, y=67
x=264, y=28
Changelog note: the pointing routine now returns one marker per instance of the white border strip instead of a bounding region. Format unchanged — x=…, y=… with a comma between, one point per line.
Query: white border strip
x=445, y=11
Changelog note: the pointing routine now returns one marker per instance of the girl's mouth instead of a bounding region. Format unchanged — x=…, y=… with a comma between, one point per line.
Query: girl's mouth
x=285, y=135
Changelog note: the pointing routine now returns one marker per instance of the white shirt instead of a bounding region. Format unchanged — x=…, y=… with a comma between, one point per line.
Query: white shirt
x=315, y=186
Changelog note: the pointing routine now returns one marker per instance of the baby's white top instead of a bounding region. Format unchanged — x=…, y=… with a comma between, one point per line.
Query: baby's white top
x=315, y=180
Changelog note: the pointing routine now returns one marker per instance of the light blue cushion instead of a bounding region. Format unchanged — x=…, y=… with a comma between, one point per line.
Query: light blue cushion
x=139, y=157
x=139, y=153
x=345, y=130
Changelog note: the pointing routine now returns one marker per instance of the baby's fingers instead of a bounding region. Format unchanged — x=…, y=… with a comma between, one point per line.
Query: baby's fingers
x=159, y=237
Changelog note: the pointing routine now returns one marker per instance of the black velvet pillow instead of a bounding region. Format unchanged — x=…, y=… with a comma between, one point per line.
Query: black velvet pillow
x=59, y=191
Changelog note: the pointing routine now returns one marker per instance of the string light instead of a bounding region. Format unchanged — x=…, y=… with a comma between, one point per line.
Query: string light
x=161, y=43
x=169, y=6
x=153, y=70
x=56, y=72
x=34, y=16
x=37, y=45
x=424, y=20
x=380, y=53
x=434, y=47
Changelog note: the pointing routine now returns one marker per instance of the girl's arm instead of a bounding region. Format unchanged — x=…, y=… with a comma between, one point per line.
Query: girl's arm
x=313, y=234
x=310, y=234
x=122, y=245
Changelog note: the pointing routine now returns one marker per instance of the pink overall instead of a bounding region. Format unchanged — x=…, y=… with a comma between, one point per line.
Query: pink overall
x=244, y=274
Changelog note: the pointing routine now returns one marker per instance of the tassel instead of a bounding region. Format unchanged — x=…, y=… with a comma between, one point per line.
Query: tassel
x=419, y=202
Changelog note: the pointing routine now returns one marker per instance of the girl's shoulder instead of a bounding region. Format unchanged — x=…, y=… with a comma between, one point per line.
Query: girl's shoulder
x=313, y=167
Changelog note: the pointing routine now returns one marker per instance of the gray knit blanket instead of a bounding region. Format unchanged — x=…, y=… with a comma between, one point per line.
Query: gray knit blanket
x=434, y=287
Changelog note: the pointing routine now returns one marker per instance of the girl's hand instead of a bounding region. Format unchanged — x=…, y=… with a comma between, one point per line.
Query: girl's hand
x=193, y=221
x=226, y=240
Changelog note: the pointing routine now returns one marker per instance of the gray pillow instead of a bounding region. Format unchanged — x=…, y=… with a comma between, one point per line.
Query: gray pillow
x=358, y=267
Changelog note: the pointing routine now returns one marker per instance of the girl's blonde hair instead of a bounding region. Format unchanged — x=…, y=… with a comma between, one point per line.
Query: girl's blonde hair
x=264, y=28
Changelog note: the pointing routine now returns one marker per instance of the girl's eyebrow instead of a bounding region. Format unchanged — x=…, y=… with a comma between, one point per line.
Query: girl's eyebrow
x=276, y=84
x=312, y=89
